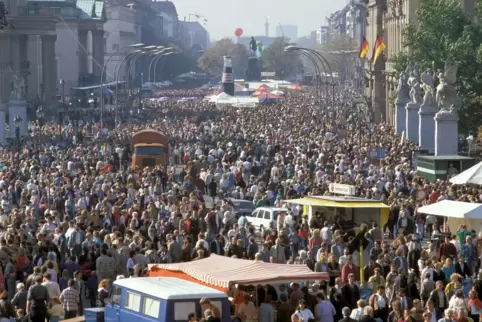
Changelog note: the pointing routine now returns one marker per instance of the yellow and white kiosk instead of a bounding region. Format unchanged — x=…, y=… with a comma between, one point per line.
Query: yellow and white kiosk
x=356, y=209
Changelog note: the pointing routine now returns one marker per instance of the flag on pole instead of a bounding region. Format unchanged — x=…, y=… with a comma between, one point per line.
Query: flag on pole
x=364, y=48
x=378, y=49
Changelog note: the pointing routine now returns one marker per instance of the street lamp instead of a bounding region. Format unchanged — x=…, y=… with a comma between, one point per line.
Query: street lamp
x=62, y=83
x=323, y=61
x=17, y=120
x=102, y=79
x=158, y=56
x=157, y=60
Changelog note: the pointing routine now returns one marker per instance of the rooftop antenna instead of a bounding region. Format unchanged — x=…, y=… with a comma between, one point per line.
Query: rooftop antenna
x=266, y=27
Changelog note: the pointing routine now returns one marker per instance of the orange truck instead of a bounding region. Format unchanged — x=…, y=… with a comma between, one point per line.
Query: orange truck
x=150, y=148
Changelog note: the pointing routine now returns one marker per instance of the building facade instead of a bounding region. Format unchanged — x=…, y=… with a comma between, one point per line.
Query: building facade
x=79, y=49
x=322, y=35
x=355, y=22
x=375, y=81
x=194, y=36
x=38, y=26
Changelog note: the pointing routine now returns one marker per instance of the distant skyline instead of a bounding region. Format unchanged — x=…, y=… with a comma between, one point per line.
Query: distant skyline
x=224, y=16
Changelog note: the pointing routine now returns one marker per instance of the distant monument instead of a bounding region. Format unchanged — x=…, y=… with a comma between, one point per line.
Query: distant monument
x=253, y=72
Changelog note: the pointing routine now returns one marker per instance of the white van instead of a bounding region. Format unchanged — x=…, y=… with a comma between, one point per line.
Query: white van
x=264, y=218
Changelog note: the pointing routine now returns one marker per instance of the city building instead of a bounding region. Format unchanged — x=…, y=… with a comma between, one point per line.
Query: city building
x=129, y=23
x=167, y=11
x=355, y=21
x=37, y=26
x=288, y=31
x=322, y=35
x=79, y=49
x=194, y=36
x=337, y=22
x=375, y=81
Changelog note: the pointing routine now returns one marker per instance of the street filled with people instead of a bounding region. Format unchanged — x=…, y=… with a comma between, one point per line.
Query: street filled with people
x=75, y=216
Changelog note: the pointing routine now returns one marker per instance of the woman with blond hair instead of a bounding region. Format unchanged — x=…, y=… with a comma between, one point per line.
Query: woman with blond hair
x=102, y=292
x=315, y=243
x=448, y=268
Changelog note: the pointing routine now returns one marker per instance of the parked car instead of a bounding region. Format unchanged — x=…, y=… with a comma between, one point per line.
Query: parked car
x=265, y=218
x=241, y=207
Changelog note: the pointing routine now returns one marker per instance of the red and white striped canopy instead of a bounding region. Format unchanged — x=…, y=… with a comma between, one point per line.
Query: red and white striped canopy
x=224, y=271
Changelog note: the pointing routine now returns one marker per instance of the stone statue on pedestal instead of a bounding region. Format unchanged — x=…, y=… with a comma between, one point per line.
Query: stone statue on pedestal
x=427, y=85
x=18, y=87
x=446, y=96
x=414, y=83
x=403, y=91
x=252, y=46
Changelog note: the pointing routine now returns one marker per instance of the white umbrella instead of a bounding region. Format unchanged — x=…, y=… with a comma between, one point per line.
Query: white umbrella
x=472, y=175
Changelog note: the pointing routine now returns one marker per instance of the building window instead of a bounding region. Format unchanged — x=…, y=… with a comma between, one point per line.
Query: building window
x=115, y=46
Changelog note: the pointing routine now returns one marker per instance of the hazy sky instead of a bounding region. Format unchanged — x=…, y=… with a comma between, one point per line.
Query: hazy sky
x=224, y=16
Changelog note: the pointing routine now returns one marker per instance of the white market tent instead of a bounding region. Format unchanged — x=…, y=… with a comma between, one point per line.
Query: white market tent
x=473, y=175
x=457, y=212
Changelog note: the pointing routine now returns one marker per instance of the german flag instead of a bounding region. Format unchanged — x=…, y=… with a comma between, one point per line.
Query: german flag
x=364, y=48
x=378, y=49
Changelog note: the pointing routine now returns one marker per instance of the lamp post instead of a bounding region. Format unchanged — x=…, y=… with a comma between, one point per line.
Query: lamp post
x=40, y=116
x=17, y=120
x=165, y=56
x=160, y=54
x=102, y=79
x=322, y=60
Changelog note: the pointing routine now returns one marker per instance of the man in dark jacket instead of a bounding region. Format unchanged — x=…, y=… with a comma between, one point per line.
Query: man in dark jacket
x=350, y=292
x=285, y=309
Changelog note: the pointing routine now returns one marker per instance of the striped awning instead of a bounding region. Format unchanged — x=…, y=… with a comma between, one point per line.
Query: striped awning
x=224, y=271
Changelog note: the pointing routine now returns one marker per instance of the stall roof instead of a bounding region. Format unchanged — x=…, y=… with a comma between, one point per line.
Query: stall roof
x=169, y=288
x=223, y=271
x=453, y=209
x=338, y=202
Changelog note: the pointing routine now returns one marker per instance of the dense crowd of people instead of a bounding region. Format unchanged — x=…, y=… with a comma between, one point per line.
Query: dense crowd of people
x=70, y=224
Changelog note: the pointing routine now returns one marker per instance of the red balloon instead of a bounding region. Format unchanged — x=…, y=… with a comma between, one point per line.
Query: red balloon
x=238, y=32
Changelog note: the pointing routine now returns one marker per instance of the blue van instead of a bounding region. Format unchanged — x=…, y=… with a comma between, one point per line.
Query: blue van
x=161, y=299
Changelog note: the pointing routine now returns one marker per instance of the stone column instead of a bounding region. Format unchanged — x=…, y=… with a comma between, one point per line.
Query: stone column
x=97, y=52
x=49, y=68
x=400, y=115
x=411, y=121
x=3, y=109
x=426, y=127
x=446, y=133
x=82, y=52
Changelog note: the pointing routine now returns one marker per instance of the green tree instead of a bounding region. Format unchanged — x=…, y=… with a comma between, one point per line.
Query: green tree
x=212, y=60
x=275, y=59
x=445, y=31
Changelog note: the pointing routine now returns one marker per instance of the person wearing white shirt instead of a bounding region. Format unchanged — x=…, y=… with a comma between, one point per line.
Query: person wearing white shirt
x=52, y=287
